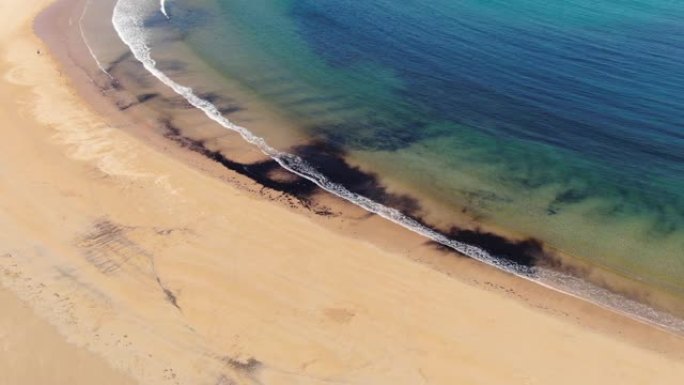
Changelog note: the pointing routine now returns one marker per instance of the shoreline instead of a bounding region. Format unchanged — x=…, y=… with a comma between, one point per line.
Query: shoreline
x=110, y=260
x=526, y=257
x=583, y=229
x=259, y=173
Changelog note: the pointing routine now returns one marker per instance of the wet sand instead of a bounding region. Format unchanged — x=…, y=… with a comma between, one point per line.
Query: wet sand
x=173, y=269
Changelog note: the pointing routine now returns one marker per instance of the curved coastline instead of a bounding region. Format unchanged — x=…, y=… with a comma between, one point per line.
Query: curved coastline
x=128, y=21
x=184, y=289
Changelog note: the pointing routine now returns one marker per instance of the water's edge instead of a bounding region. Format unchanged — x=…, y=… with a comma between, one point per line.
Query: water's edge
x=128, y=21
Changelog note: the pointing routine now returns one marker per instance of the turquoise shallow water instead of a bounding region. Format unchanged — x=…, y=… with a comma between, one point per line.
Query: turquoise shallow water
x=564, y=121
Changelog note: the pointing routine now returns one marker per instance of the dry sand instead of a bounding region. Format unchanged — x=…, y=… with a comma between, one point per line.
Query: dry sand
x=172, y=276
x=29, y=347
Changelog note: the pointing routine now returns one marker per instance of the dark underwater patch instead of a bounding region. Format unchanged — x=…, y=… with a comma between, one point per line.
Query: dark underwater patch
x=142, y=98
x=567, y=197
x=375, y=133
x=330, y=161
x=528, y=252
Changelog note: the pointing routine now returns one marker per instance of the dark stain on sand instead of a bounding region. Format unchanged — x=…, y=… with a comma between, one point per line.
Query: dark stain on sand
x=330, y=161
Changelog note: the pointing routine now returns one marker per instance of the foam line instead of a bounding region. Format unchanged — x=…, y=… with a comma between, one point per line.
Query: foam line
x=162, y=9
x=129, y=26
x=85, y=41
x=128, y=23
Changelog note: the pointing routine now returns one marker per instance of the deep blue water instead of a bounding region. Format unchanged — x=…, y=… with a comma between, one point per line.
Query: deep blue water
x=606, y=86
x=563, y=121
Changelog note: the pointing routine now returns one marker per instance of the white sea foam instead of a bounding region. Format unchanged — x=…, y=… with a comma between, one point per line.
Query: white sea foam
x=85, y=41
x=128, y=20
x=162, y=8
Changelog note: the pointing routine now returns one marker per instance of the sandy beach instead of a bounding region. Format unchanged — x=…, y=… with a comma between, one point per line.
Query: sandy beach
x=30, y=345
x=124, y=260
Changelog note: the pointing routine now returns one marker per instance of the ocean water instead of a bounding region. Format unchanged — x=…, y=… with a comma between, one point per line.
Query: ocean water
x=558, y=121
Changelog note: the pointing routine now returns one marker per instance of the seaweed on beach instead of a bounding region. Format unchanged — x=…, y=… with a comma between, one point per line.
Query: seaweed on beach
x=260, y=172
x=330, y=161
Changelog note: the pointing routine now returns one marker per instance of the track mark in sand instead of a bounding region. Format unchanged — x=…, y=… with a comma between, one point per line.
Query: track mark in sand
x=339, y=315
x=249, y=365
x=170, y=296
x=246, y=370
x=9, y=268
x=223, y=380
x=109, y=249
